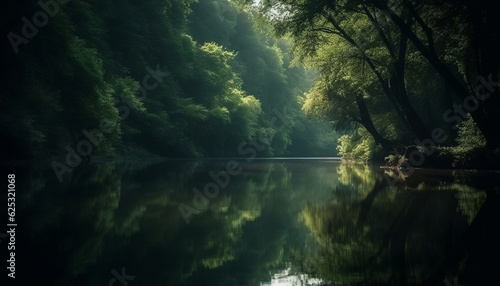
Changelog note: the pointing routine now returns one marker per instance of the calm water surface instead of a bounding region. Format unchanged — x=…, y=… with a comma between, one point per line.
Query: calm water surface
x=268, y=222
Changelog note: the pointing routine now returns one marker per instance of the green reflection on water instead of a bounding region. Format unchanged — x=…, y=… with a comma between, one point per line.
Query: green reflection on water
x=338, y=222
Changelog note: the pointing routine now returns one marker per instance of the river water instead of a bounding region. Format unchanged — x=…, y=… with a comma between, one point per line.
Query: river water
x=265, y=222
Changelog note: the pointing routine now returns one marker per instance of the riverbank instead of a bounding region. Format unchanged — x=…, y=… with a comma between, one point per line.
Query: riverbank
x=444, y=158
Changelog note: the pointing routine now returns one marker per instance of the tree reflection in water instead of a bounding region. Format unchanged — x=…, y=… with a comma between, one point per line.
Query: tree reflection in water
x=315, y=219
x=442, y=228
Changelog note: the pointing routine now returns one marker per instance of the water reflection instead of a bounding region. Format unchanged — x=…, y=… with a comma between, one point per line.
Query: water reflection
x=319, y=222
x=371, y=234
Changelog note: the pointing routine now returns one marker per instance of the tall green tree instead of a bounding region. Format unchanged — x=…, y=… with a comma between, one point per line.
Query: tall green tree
x=396, y=40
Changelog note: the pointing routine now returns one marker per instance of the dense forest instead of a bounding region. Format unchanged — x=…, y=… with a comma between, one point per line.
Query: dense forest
x=140, y=79
x=414, y=82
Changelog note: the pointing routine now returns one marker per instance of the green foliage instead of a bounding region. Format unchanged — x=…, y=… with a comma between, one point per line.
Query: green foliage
x=469, y=136
x=265, y=68
x=469, y=143
x=357, y=146
x=174, y=78
x=394, y=73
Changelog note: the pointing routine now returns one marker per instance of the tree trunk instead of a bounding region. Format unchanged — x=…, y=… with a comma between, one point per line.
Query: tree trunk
x=485, y=122
x=416, y=123
x=383, y=82
x=396, y=89
x=367, y=122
